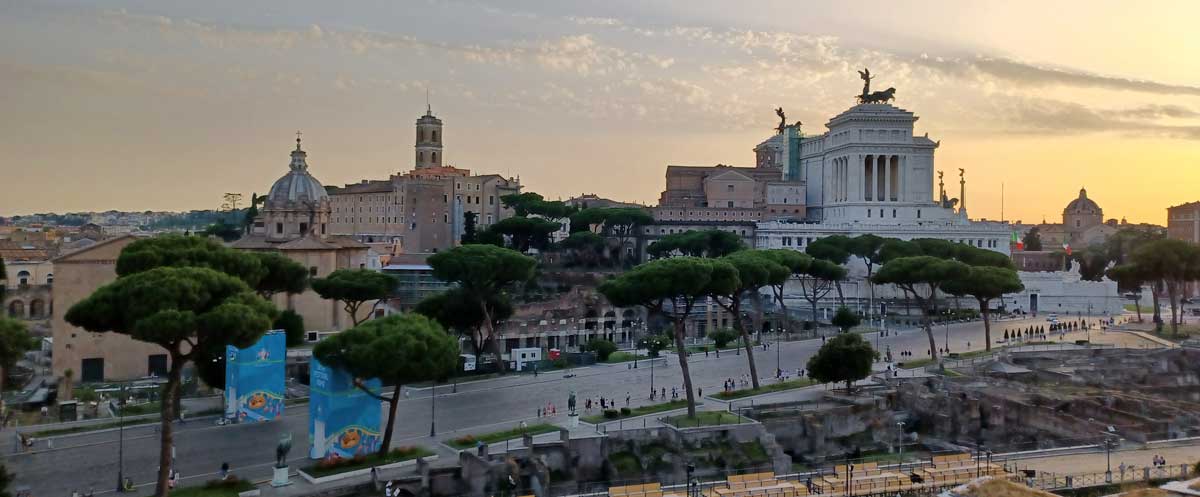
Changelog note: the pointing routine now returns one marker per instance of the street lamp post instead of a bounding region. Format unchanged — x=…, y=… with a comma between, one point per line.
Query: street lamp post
x=651, y=377
x=778, y=362
x=900, y=441
x=433, y=410
x=120, y=446
x=1109, y=445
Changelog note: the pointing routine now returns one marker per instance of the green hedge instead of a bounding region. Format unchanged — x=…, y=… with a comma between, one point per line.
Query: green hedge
x=468, y=441
x=326, y=468
x=767, y=388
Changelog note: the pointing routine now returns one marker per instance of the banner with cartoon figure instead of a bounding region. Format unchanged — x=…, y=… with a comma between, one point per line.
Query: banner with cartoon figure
x=254, y=379
x=343, y=420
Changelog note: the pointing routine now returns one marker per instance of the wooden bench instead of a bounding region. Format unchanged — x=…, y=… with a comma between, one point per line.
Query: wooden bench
x=643, y=490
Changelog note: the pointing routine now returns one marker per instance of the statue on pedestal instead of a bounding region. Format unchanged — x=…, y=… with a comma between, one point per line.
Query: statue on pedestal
x=282, y=449
x=866, y=76
x=571, y=403
x=782, y=120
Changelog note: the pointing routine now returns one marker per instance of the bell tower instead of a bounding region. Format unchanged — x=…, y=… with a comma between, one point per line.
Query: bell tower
x=429, y=140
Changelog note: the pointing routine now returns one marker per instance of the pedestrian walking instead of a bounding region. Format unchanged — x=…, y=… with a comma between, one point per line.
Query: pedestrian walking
x=626, y=399
x=224, y=473
x=539, y=412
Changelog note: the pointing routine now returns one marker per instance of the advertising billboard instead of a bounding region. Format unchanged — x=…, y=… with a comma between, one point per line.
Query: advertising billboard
x=254, y=379
x=343, y=420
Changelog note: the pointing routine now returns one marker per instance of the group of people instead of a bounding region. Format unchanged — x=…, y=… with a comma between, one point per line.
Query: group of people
x=604, y=403
x=547, y=411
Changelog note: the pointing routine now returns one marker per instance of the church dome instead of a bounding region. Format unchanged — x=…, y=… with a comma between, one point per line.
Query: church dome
x=297, y=186
x=1082, y=205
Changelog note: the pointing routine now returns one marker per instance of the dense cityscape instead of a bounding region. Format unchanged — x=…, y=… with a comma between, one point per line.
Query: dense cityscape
x=824, y=316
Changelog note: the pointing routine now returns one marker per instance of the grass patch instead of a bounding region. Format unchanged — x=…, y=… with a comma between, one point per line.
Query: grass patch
x=621, y=356
x=626, y=463
x=98, y=426
x=215, y=488
x=919, y=363
x=977, y=353
x=639, y=411
x=768, y=388
x=1134, y=308
x=700, y=349
x=953, y=374
x=704, y=418
x=755, y=452
x=139, y=409
x=326, y=468
x=468, y=441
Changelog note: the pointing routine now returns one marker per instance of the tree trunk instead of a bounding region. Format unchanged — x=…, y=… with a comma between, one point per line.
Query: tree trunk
x=167, y=441
x=1171, y=294
x=1157, y=311
x=787, y=320
x=491, y=334
x=987, y=324
x=928, y=322
x=841, y=298
x=1137, y=306
x=352, y=310
x=681, y=351
x=871, y=299
x=735, y=308
x=391, y=420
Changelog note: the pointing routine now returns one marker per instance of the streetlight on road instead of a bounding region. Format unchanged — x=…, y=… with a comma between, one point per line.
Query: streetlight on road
x=778, y=364
x=433, y=410
x=1109, y=445
x=120, y=445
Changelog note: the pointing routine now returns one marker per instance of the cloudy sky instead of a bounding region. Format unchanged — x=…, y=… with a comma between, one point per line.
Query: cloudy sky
x=160, y=104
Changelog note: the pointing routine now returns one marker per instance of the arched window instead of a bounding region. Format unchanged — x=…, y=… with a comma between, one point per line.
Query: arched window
x=23, y=277
x=16, y=309
x=435, y=136
x=37, y=309
x=434, y=158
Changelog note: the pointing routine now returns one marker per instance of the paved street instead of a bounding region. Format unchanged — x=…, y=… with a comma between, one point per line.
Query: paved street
x=90, y=460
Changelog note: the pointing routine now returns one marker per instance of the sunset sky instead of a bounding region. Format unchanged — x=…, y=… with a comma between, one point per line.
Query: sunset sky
x=165, y=105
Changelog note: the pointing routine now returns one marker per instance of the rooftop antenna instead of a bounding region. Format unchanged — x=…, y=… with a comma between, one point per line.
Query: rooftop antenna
x=428, y=108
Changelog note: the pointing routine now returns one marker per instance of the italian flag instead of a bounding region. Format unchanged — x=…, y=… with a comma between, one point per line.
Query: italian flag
x=1016, y=240
x=1067, y=247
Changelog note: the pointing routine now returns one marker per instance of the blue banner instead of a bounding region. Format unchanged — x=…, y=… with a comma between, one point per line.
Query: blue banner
x=254, y=379
x=343, y=420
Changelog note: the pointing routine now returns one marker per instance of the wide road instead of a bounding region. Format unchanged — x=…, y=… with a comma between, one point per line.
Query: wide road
x=91, y=460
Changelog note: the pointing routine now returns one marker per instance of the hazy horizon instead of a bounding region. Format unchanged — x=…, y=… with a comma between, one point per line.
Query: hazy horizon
x=154, y=105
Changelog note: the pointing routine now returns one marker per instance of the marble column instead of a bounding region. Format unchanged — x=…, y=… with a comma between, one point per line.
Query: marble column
x=887, y=177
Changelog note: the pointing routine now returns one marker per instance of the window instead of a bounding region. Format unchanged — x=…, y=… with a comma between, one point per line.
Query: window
x=156, y=365
x=303, y=228
x=868, y=212
x=278, y=228
x=730, y=204
x=435, y=138
x=312, y=270
x=434, y=159
x=92, y=370
x=322, y=228
x=729, y=188
x=893, y=212
x=918, y=213
x=491, y=200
